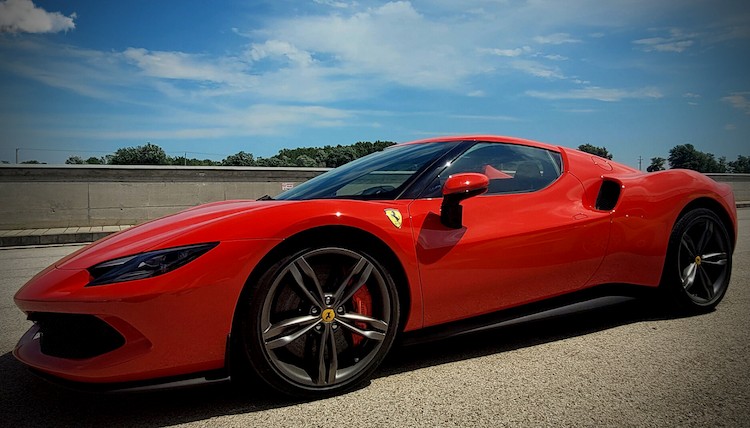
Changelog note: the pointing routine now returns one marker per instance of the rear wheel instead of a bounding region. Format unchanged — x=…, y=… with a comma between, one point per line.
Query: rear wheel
x=319, y=321
x=699, y=261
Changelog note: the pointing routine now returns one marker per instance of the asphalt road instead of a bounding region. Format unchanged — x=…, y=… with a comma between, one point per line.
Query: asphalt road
x=625, y=365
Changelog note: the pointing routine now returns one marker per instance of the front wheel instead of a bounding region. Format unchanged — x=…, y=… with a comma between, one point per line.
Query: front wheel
x=699, y=262
x=319, y=321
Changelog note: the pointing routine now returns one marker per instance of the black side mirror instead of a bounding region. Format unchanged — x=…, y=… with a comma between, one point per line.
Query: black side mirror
x=457, y=188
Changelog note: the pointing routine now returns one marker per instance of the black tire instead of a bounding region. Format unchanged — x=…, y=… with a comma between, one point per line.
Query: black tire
x=335, y=298
x=698, y=264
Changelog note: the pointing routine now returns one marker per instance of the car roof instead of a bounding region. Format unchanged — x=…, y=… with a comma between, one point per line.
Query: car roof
x=488, y=139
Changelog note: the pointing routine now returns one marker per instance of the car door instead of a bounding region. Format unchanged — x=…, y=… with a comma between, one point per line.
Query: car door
x=529, y=237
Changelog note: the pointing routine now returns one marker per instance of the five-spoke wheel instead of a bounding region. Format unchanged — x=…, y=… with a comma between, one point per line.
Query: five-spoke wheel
x=700, y=259
x=320, y=320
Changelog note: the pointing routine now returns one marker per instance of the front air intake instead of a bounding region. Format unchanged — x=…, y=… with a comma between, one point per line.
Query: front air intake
x=75, y=336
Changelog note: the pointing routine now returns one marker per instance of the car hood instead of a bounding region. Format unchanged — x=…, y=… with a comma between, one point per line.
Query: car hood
x=205, y=223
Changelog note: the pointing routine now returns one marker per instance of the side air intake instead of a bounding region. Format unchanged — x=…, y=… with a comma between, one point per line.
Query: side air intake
x=608, y=196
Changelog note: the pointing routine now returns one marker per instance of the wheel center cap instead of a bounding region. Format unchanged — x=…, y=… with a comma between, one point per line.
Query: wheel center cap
x=698, y=260
x=328, y=315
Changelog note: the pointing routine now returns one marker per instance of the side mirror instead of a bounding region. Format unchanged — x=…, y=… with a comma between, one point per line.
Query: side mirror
x=457, y=188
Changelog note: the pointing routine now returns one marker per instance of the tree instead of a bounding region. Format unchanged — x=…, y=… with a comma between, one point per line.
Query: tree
x=306, y=161
x=688, y=157
x=594, y=150
x=182, y=160
x=741, y=165
x=95, y=161
x=339, y=155
x=657, y=164
x=239, y=159
x=77, y=160
x=34, y=162
x=74, y=160
x=149, y=154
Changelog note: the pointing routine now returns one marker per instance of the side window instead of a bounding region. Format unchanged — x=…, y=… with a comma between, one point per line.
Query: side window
x=511, y=168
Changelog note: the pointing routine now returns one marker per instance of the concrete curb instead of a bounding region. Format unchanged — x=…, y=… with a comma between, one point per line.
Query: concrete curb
x=75, y=235
x=60, y=235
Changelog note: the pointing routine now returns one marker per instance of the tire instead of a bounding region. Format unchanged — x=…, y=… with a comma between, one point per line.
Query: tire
x=699, y=262
x=319, y=321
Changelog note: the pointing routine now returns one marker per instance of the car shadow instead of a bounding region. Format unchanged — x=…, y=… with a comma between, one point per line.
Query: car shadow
x=30, y=401
x=521, y=335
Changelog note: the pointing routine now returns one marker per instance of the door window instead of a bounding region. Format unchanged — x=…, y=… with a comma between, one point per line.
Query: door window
x=511, y=168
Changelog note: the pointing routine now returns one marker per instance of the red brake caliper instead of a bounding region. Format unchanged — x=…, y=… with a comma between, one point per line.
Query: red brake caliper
x=362, y=301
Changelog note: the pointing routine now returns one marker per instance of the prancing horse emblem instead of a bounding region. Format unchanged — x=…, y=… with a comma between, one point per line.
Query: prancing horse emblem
x=394, y=216
x=328, y=315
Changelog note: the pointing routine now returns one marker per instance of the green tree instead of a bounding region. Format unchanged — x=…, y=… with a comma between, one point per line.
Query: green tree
x=306, y=161
x=326, y=156
x=595, y=150
x=95, y=161
x=77, y=160
x=339, y=155
x=33, y=162
x=740, y=166
x=149, y=154
x=239, y=159
x=657, y=164
x=688, y=157
x=74, y=160
x=182, y=160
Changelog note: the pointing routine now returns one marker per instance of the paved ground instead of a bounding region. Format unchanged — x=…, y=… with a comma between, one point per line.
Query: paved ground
x=621, y=366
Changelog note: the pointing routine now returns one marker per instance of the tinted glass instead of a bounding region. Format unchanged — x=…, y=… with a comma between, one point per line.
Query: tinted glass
x=381, y=175
x=511, y=168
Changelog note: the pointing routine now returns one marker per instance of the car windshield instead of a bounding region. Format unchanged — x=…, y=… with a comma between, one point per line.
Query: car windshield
x=381, y=175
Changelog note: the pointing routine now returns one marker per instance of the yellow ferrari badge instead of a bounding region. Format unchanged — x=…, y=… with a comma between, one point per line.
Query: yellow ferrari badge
x=394, y=216
x=328, y=315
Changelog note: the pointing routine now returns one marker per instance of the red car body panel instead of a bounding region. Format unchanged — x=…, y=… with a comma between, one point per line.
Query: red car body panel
x=494, y=263
x=513, y=249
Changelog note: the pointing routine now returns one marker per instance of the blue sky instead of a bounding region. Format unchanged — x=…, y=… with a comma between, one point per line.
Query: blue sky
x=213, y=78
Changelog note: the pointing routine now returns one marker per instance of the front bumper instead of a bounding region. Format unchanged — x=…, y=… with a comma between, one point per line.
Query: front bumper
x=170, y=325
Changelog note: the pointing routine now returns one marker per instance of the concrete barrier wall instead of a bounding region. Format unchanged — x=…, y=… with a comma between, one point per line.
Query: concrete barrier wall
x=43, y=196
x=740, y=184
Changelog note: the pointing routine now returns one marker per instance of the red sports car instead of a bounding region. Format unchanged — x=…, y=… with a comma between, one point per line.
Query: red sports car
x=307, y=291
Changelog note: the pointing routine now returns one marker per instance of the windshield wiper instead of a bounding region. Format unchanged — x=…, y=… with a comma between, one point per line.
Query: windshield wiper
x=265, y=198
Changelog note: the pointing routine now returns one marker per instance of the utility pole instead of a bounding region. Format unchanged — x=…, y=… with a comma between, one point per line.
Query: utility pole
x=17, y=156
x=640, y=162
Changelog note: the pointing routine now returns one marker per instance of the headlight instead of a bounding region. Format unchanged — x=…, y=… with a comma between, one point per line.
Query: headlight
x=146, y=265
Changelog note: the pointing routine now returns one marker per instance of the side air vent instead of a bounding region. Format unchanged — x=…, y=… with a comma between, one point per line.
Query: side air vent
x=609, y=193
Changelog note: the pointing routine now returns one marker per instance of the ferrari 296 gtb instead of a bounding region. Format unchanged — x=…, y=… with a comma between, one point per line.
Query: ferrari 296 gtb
x=307, y=292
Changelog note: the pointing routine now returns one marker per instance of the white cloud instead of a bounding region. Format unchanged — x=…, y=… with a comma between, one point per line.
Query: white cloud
x=537, y=69
x=277, y=48
x=596, y=93
x=556, y=39
x=22, y=16
x=555, y=57
x=676, y=41
x=183, y=66
x=390, y=43
x=511, y=53
x=333, y=3
x=739, y=100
